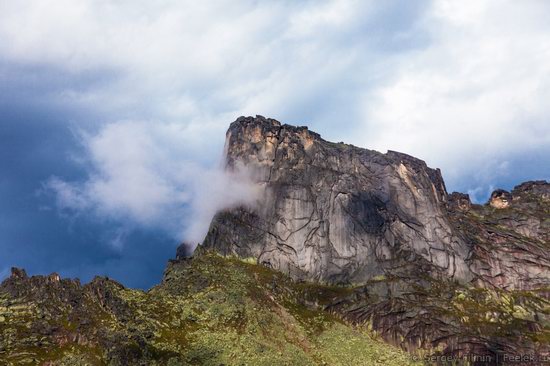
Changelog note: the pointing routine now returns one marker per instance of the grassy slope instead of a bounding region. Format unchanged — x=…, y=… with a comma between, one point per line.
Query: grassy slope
x=208, y=311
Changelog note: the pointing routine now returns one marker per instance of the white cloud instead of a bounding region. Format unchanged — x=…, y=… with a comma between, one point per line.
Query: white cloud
x=196, y=61
x=141, y=175
x=476, y=96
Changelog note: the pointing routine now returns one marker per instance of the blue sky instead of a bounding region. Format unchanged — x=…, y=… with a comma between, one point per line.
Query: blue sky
x=113, y=113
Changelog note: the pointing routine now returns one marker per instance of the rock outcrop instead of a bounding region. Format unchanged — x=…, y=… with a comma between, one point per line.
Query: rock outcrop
x=509, y=237
x=340, y=214
x=500, y=199
x=336, y=213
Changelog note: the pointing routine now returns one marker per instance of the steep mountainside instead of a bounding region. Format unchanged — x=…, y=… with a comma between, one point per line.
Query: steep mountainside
x=349, y=257
x=509, y=237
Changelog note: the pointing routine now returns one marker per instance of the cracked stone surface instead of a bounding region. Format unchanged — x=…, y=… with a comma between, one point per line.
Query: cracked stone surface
x=335, y=212
x=509, y=240
x=340, y=214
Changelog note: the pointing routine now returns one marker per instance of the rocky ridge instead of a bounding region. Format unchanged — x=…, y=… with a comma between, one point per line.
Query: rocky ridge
x=340, y=214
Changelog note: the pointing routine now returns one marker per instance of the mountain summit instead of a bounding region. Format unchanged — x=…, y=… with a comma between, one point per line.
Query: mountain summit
x=335, y=213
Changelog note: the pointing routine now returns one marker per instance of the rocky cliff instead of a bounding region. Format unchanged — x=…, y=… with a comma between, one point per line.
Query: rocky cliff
x=336, y=213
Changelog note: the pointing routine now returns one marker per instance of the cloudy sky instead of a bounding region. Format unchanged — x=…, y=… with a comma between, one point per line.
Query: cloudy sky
x=113, y=113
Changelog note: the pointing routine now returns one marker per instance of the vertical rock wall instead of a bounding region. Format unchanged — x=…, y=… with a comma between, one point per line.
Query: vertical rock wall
x=334, y=212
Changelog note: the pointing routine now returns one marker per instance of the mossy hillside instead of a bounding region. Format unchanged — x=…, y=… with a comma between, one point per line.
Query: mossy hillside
x=207, y=311
x=500, y=314
x=278, y=318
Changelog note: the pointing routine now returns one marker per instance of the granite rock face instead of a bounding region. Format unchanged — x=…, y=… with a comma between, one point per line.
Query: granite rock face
x=339, y=214
x=500, y=199
x=431, y=270
x=334, y=212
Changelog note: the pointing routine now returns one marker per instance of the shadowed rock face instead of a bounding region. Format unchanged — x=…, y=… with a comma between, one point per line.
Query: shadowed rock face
x=335, y=212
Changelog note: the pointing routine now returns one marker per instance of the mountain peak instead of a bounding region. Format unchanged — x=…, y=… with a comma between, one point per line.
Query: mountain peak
x=334, y=212
x=18, y=273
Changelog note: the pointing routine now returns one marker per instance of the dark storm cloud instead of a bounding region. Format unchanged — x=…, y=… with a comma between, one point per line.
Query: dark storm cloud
x=37, y=141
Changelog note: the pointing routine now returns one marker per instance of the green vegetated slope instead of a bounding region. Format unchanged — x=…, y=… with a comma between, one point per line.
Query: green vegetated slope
x=207, y=311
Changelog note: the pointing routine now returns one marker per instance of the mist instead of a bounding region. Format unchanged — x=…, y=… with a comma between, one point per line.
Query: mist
x=148, y=174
